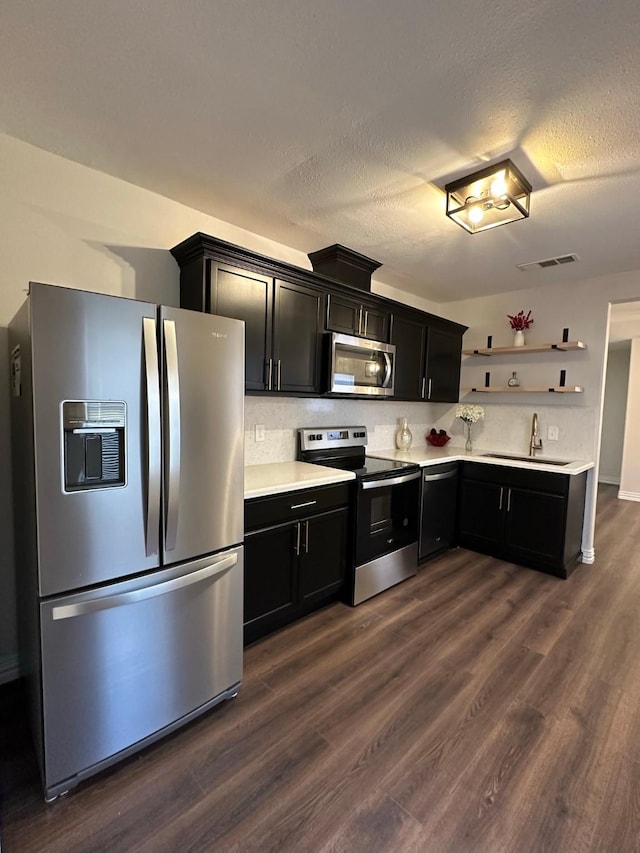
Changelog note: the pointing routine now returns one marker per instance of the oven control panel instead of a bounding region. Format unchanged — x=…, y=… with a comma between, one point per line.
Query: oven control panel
x=323, y=438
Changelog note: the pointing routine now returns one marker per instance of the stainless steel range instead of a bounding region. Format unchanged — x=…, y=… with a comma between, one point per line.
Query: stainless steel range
x=387, y=503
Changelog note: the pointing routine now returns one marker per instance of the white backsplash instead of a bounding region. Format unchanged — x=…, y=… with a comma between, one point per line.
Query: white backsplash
x=505, y=427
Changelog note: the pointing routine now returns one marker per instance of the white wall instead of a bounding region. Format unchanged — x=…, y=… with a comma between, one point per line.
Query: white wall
x=614, y=411
x=630, y=473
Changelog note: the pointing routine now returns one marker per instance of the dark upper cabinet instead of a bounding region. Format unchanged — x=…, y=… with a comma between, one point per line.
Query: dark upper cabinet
x=427, y=360
x=297, y=338
x=283, y=328
x=246, y=296
x=409, y=338
x=442, y=368
x=286, y=309
x=355, y=317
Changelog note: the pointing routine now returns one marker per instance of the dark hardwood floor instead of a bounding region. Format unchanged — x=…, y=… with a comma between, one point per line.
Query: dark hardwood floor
x=477, y=707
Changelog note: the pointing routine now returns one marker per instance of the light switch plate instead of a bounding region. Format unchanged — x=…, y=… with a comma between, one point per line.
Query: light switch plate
x=259, y=432
x=552, y=433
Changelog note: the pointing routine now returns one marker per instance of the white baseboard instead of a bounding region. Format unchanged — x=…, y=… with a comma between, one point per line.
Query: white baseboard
x=588, y=555
x=628, y=496
x=610, y=481
x=9, y=669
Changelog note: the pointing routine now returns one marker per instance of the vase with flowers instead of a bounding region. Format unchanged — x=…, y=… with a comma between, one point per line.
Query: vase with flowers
x=469, y=414
x=519, y=322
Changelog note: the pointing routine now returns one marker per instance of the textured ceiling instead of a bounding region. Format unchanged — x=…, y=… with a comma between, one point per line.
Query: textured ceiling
x=315, y=123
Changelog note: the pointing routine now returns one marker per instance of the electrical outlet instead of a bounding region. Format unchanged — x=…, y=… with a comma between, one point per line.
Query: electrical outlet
x=552, y=433
x=259, y=432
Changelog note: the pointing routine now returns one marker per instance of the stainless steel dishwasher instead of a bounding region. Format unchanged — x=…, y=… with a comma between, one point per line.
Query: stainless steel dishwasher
x=438, y=509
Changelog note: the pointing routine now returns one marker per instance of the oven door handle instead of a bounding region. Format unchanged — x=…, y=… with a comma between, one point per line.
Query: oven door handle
x=390, y=481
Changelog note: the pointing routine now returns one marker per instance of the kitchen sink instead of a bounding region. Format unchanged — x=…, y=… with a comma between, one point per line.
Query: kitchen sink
x=533, y=459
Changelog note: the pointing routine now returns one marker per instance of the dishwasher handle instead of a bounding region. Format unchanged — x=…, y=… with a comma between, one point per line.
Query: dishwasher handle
x=446, y=475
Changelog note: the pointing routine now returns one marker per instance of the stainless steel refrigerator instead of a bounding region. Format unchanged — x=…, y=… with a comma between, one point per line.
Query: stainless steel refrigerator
x=128, y=451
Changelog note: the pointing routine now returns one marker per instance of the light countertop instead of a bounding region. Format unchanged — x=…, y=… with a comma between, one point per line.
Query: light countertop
x=427, y=455
x=276, y=477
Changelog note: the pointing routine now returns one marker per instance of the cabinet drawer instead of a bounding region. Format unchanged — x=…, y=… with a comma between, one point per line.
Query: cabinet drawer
x=263, y=512
x=541, y=481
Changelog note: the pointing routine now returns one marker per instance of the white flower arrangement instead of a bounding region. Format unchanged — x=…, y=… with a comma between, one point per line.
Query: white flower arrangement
x=469, y=413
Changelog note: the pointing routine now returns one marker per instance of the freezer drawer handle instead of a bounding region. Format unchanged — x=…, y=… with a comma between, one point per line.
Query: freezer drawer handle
x=152, y=388
x=94, y=605
x=391, y=481
x=172, y=481
x=448, y=475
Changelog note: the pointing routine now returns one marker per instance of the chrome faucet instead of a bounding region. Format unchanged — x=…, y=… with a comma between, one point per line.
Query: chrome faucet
x=535, y=443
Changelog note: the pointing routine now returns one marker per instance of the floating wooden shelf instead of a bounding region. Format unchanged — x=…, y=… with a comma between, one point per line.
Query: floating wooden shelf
x=563, y=346
x=530, y=389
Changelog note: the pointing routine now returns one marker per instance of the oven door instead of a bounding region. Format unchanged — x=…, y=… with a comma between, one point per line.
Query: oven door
x=360, y=366
x=387, y=515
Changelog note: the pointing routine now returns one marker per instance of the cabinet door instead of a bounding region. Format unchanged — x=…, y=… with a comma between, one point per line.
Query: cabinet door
x=409, y=339
x=444, y=353
x=535, y=525
x=481, y=515
x=376, y=324
x=344, y=315
x=296, y=334
x=323, y=555
x=247, y=296
x=270, y=579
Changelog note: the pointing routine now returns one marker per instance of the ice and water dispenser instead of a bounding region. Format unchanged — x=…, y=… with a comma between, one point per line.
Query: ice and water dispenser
x=94, y=444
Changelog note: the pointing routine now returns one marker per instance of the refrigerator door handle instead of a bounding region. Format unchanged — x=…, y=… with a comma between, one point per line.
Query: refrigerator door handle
x=152, y=388
x=94, y=605
x=172, y=434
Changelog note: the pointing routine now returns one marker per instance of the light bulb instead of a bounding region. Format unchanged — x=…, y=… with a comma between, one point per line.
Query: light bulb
x=476, y=215
x=499, y=185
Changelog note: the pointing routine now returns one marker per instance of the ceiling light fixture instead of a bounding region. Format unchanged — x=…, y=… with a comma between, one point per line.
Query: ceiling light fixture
x=488, y=198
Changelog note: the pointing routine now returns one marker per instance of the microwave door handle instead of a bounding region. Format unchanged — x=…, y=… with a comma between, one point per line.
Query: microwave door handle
x=154, y=450
x=390, y=481
x=172, y=435
x=387, y=370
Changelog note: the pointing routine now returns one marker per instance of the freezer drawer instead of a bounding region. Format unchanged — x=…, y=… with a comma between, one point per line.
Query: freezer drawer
x=121, y=663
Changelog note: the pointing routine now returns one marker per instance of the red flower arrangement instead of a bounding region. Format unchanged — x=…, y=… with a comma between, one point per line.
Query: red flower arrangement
x=519, y=322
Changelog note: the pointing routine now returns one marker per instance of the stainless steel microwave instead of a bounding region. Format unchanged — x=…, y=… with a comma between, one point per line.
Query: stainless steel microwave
x=361, y=366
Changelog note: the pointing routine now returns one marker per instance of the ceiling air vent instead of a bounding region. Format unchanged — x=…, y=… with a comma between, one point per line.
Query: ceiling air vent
x=548, y=262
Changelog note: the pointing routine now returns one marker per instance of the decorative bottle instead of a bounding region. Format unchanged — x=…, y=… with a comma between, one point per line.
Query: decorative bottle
x=403, y=435
x=514, y=382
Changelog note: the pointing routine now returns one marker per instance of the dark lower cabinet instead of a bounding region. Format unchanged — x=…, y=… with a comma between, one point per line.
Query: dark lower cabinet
x=533, y=518
x=296, y=555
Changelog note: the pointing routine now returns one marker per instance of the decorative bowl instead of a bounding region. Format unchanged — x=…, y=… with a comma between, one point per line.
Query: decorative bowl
x=438, y=439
